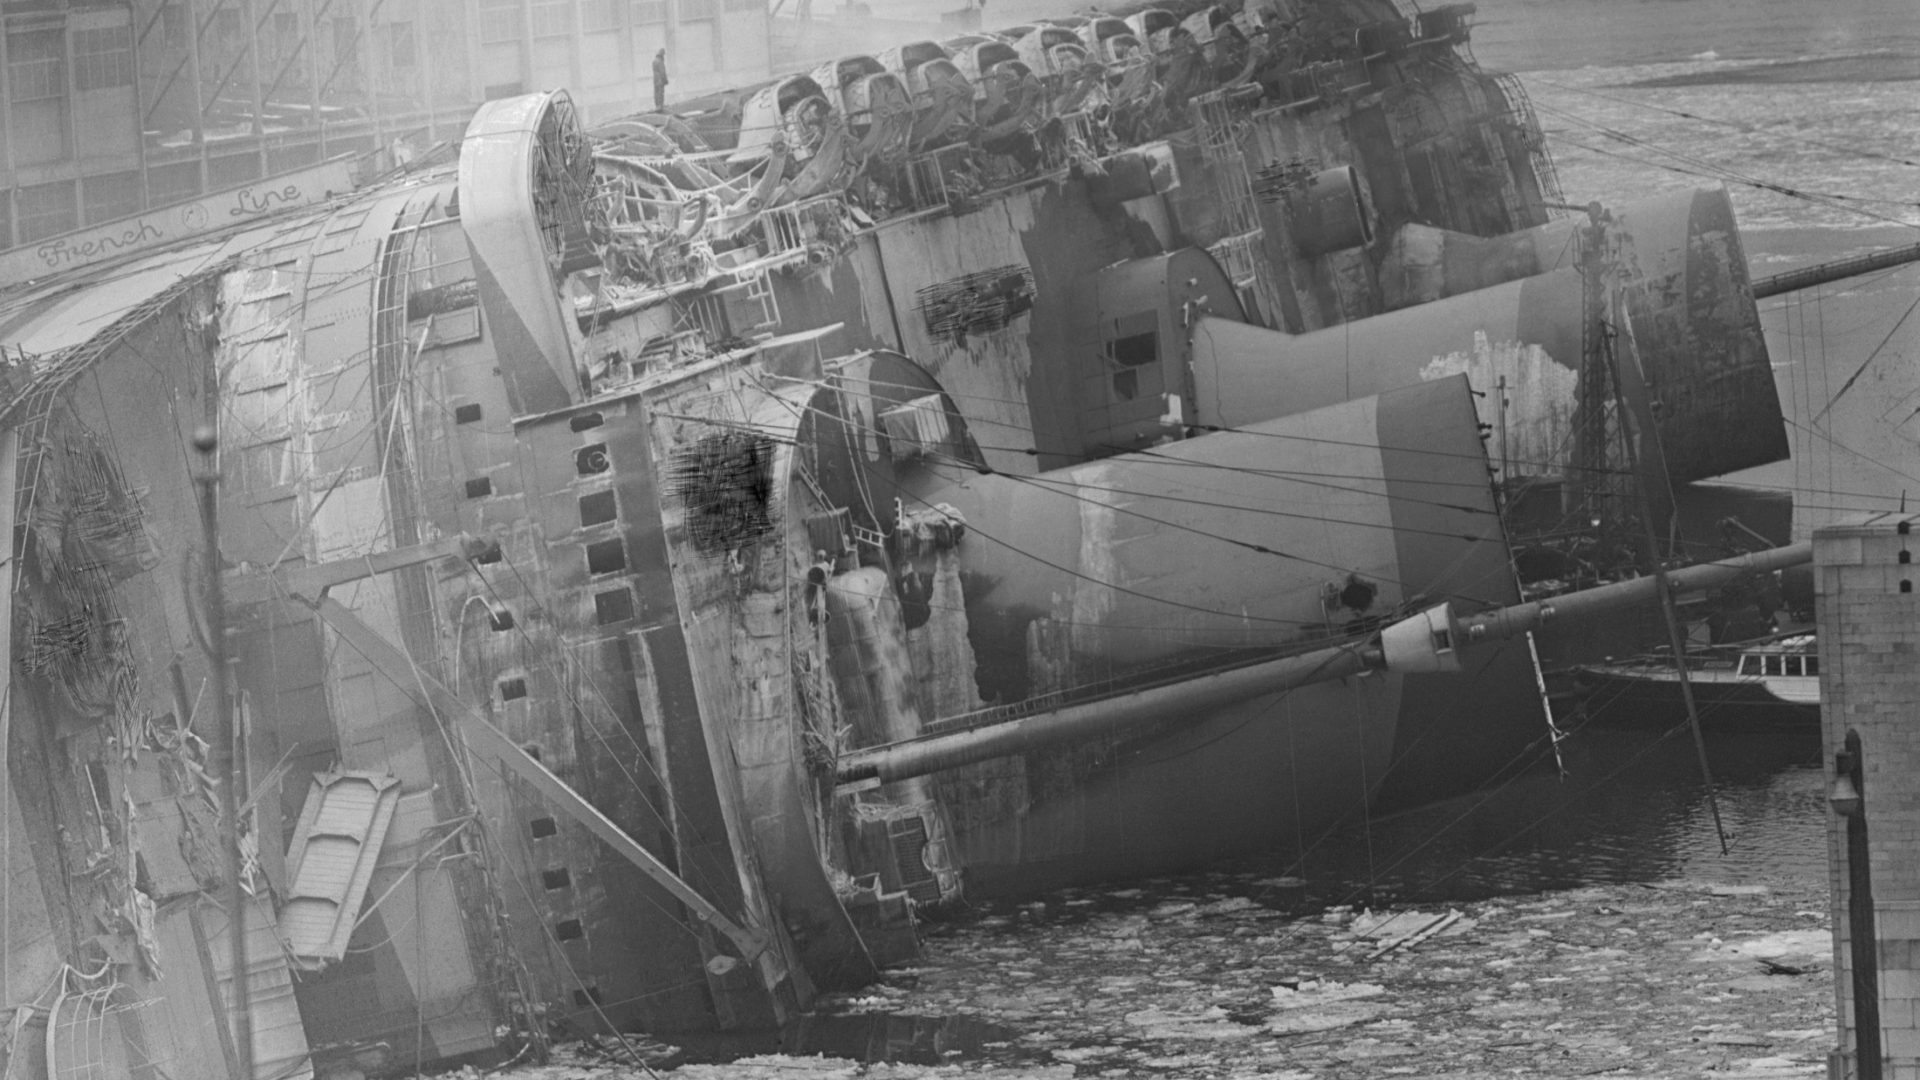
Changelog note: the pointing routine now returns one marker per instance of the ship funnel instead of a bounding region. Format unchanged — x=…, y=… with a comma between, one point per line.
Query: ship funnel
x=524, y=165
x=1427, y=642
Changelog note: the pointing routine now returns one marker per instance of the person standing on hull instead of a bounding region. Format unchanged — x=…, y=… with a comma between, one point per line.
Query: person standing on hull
x=660, y=81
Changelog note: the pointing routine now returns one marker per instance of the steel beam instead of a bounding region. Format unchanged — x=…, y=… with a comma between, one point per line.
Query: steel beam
x=1188, y=698
x=1192, y=697
x=254, y=586
x=1839, y=270
x=1516, y=619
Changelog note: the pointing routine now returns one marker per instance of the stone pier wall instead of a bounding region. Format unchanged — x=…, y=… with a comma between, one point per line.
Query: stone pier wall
x=1869, y=619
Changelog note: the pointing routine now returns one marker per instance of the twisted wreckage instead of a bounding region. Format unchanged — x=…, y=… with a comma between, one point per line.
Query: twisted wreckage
x=662, y=558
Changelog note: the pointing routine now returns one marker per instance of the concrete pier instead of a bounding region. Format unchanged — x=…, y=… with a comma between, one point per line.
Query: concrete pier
x=1869, y=618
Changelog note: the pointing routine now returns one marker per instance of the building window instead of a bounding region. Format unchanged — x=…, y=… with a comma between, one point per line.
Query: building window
x=36, y=66
x=649, y=12
x=399, y=45
x=228, y=29
x=746, y=5
x=552, y=18
x=168, y=184
x=345, y=70
x=103, y=59
x=173, y=28
x=45, y=210
x=112, y=196
x=499, y=21
x=232, y=170
x=599, y=15
x=695, y=9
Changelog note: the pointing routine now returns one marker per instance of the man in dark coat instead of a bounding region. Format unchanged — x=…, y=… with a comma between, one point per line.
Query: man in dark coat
x=660, y=80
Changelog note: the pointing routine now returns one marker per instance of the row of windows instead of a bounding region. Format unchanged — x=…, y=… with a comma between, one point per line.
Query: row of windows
x=500, y=19
x=37, y=62
x=103, y=58
x=43, y=210
x=36, y=65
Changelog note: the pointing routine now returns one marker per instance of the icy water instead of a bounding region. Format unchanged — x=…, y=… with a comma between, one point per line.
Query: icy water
x=863, y=1036
x=1631, y=807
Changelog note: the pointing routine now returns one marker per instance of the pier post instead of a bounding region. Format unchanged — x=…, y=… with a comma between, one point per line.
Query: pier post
x=1869, y=618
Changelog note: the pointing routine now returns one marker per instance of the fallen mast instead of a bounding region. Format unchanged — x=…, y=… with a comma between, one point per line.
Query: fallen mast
x=1427, y=642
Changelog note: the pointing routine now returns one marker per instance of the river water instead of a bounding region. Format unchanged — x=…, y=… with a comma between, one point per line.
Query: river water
x=1631, y=806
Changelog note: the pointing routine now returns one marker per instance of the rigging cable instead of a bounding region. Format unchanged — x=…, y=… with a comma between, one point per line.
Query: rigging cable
x=1861, y=370
x=1039, y=483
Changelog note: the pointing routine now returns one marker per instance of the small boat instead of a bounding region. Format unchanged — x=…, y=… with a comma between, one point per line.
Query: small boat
x=1781, y=675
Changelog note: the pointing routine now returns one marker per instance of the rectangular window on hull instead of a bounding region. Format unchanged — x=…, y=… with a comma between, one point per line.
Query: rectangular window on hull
x=612, y=607
x=606, y=557
x=1129, y=354
x=597, y=509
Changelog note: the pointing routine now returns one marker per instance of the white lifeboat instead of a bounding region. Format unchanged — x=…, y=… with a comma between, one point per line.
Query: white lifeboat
x=942, y=94
x=793, y=110
x=875, y=102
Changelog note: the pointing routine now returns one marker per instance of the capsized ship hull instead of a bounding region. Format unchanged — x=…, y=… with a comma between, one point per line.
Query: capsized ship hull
x=1143, y=568
x=562, y=589
x=624, y=607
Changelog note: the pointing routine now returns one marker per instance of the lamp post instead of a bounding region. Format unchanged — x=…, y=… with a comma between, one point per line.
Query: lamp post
x=1847, y=796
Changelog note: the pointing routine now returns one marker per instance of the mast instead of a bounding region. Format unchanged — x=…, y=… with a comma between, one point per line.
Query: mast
x=1607, y=360
x=227, y=769
x=1429, y=641
x=1838, y=270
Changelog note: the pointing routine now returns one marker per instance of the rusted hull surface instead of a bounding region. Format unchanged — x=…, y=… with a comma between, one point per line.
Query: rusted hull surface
x=1524, y=334
x=1686, y=291
x=1115, y=573
x=1695, y=339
